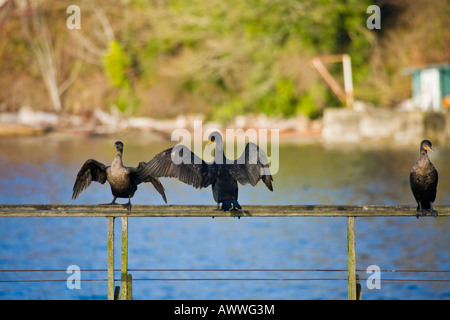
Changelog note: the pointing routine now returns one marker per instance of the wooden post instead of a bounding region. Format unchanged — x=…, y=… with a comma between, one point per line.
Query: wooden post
x=345, y=97
x=124, y=268
x=117, y=293
x=129, y=286
x=320, y=67
x=348, y=82
x=351, y=258
x=358, y=288
x=110, y=261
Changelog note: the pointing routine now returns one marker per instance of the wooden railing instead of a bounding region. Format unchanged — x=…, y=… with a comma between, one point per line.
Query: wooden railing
x=112, y=212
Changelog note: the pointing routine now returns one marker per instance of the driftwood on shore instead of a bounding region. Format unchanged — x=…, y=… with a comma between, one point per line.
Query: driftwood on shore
x=29, y=122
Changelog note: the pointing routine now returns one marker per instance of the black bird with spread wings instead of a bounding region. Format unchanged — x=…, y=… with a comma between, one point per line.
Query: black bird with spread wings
x=222, y=174
x=123, y=180
x=423, y=179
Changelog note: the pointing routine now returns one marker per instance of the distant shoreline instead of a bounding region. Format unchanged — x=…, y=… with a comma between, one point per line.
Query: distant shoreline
x=99, y=123
x=338, y=126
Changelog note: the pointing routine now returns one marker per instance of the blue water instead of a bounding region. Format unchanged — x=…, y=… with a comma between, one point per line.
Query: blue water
x=41, y=170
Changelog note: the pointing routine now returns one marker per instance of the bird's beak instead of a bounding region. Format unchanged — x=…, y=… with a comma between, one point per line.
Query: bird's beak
x=429, y=148
x=209, y=142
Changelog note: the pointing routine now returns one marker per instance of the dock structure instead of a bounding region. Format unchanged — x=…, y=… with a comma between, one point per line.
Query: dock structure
x=124, y=292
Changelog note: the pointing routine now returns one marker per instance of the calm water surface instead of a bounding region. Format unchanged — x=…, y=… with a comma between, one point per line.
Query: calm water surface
x=42, y=170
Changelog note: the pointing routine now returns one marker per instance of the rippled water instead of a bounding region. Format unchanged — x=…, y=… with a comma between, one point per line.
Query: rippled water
x=41, y=170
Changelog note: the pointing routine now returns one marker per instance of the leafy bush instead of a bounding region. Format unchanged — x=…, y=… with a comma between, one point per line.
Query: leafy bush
x=116, y=63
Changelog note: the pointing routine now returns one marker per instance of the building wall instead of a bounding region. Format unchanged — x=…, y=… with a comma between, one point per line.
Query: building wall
x=382, y=125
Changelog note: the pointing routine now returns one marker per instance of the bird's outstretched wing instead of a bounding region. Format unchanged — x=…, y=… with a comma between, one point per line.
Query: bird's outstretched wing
x=181, y=163
x=251, y=166
x=92, y=170
x=149, y=178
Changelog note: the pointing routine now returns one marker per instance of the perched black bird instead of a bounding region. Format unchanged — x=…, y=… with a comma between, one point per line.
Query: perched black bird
x=123, y=180
x=423, y=180
x=222, y=173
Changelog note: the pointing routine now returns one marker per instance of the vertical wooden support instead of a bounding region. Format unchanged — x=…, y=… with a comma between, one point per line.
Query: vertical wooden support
x=351, y=258
x=124, y=269
x=348, y=82
x=110, y=246
x=129, y=286
x=117, y=293
x=358, y=289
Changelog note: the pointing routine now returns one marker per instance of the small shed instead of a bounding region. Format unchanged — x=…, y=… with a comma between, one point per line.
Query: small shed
x=430, y=86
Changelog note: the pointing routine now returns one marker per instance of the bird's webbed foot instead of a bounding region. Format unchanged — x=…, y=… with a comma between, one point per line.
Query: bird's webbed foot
x=432, y=212
x=127, y=206
x=420, y=213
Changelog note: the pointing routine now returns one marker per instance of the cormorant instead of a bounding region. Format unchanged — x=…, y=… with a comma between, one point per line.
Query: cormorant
x=123, y=180
x=423, y=180
x=223, y=174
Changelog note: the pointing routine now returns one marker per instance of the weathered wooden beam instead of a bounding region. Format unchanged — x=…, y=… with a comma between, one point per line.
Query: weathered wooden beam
x=124, y=269
x=351, y=258
x=110, y=259
x=207, y=211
